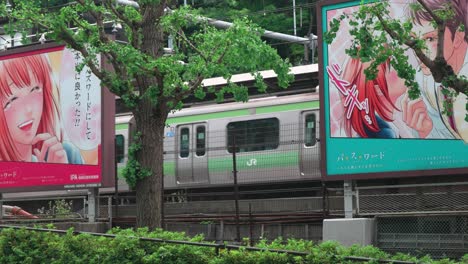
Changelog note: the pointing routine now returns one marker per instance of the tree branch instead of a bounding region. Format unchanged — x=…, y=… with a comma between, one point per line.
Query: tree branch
x=440, y=69
x=181, y=95
x=111, y=55
x=133, y=25
x=187, y=41
x=436, y=18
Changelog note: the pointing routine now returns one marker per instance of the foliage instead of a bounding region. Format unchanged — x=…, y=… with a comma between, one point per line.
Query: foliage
x=272, y=15
x=58, y=209
x=25, y=246
x=133, y=171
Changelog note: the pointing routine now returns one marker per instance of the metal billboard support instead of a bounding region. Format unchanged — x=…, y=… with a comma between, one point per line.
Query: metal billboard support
x=348, y=198
x=92, y=204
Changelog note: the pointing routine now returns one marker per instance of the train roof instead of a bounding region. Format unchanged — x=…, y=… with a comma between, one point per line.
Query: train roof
x=245, y=77
x=253, y=103
x=303, y=89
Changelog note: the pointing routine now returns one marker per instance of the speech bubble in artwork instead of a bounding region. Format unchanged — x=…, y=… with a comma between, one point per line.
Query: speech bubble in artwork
x=80, y=97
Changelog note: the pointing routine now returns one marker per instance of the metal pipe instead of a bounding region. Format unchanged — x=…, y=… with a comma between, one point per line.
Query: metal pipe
x=267, y=33
x=128, y=2
x=294, y=16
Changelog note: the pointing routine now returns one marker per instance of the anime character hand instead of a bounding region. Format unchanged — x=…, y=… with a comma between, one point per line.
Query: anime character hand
x=52, y=150
x=416, y=116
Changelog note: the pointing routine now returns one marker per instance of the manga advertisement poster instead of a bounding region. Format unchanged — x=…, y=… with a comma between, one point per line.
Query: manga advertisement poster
x=50, y=120
x=372, y=128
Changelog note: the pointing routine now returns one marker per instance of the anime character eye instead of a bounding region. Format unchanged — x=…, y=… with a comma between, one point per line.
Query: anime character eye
x=8, y=104
x=35, y=89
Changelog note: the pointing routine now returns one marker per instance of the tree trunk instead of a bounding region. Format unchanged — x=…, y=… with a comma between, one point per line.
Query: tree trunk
x=150, y=118
x=150, y=190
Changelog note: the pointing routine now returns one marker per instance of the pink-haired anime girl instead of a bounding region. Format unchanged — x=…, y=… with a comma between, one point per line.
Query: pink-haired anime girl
x=29, y=116
x=381, y=95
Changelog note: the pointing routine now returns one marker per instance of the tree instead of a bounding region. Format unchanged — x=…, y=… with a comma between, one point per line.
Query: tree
x=275, y=15
x=151, y=83
x=377, y=36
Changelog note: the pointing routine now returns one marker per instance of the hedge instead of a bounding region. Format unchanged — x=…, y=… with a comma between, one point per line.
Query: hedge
x=26, y=246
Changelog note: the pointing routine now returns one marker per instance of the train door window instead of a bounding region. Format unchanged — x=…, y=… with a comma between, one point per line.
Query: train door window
x=184, y=142
x=119, y=148
x=253, y=135
x=310, y=130
x=201, y=141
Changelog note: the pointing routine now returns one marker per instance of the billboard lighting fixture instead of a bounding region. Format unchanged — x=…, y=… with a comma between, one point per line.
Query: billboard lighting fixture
x=115, y=27
x=42, y=39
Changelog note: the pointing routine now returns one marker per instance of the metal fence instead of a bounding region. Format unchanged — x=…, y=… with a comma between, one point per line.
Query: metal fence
x=412, y=199
x=437, y=235
x=418, y=219
x=46, y=209
x=294, y=217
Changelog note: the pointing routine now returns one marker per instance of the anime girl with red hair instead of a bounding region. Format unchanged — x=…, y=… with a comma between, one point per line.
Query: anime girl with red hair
x=29, y=115
x=371, y=123
x=386, y=99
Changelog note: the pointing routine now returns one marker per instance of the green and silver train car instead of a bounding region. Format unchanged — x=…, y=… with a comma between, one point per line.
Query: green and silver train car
x=274, y=140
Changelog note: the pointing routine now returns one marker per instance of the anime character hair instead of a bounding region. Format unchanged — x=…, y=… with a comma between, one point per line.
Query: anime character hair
x=20, y=72
x=373, y=91
x=460, y=8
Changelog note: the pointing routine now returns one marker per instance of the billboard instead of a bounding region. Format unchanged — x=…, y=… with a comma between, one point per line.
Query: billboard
x=51, y=121
x=370, y=128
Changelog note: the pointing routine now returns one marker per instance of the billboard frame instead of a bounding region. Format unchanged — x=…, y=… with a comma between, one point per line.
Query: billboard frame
x=107, y=128
x=324, y=122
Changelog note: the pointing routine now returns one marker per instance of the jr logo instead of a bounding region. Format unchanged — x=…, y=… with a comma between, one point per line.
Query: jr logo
x=252, y=162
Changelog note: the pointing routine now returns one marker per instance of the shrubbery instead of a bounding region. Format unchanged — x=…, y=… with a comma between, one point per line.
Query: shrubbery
x=25, y=246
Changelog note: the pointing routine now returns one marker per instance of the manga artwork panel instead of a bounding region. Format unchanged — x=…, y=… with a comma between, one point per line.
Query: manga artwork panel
x=381, y=108
x=50, y=119
x=370, y=125
x=50, y=113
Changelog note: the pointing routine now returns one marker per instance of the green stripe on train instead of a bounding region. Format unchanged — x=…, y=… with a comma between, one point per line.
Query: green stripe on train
x=252, y=161
x=121, y=126
x=287, y=107
x=169, y=169
x=255, y=161
x=235, y=113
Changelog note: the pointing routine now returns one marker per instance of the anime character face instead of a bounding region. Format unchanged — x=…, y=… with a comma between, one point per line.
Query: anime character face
x=428, y=34
x=396, y=85
x=23, y=111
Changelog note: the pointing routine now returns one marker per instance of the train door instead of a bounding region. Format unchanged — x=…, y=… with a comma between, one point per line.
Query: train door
x=310, y=151
x=192, y=158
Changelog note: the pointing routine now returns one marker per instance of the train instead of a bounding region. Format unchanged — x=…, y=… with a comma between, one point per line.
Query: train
x=276, y=140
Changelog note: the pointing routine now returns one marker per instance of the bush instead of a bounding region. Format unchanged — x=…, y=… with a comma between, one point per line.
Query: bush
x=24, y=246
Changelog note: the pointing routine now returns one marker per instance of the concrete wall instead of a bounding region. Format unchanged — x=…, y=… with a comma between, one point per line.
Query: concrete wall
x=350, y=231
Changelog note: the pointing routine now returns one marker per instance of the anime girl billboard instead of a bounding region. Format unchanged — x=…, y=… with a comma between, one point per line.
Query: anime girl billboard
x=372, y=128
x=50, y=120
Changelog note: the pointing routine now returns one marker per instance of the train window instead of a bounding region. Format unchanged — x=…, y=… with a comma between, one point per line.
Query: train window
x=310, y=130
x=253, y=135
x=201, y=141
x=119, y=148
x=184, y=142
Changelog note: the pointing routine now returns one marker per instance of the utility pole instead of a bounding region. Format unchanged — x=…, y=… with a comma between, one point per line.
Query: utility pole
x=236, y=187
